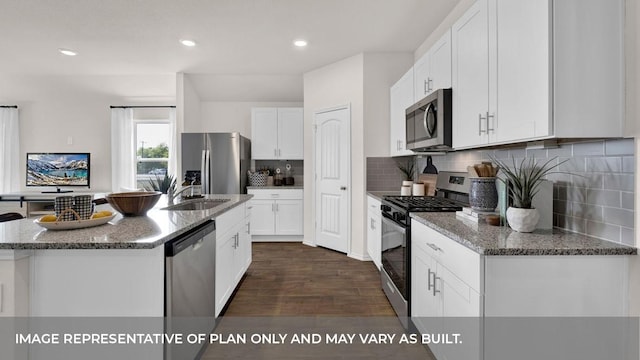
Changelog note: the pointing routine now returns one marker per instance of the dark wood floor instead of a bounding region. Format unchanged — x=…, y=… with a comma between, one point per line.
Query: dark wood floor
x=293, y=288
x=291, y=279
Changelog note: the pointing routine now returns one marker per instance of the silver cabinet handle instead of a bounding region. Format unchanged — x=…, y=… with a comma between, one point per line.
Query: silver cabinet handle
x=235, y=242
x=249, y=227
x=434, y=247
x=480, y=118
x=277, y=207
x=426, y=83
x=490, y=116
x=401, y=147
x=429, y=82
x=429, y=285
x=273, y=207
x=275, y=152
x=435, y=279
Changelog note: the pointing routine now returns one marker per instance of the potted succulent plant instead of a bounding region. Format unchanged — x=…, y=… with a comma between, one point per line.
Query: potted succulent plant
x=523, y=181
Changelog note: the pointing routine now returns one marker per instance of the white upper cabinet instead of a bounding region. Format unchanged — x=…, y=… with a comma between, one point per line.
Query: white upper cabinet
x=400, y=98
x=470, y=76
x=529, y=70
x=433, y=70
x=277, y=133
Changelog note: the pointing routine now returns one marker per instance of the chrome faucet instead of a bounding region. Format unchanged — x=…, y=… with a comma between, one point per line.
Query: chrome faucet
x=171, y=195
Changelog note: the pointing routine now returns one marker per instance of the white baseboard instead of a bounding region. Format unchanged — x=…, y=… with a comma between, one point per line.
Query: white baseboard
x=276, y=238
x=361, y=257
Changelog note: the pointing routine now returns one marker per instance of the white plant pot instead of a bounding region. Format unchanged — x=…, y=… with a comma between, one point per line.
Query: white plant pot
x=523, y=220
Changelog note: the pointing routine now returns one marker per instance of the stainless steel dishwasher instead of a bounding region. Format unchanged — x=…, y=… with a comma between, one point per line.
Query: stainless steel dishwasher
x=190, y=288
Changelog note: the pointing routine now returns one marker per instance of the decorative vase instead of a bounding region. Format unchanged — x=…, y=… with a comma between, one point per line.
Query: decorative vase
x=522, y=220
x=483, y=195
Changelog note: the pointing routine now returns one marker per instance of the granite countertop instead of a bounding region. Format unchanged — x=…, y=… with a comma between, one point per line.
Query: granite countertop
x=140, y=232
x=501, y=240
x=380, y=194
x=283, y=187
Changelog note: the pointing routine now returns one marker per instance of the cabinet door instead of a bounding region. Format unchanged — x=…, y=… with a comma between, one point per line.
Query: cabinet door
x=244, y=246
x=225, y=269
x=289, y=220
x=421, y=77
x=263, y=217
x=264, y=133
x=374, y=237
x=400, y=98
x=426, y=309
x=521, y=107
x=440, y=64
x=461, y=314
x=290, y=134
x=470, y=76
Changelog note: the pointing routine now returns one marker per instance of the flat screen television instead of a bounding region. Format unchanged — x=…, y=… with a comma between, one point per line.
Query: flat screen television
x=58, y=169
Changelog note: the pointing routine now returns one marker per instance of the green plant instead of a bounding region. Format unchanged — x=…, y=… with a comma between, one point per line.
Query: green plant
x=407, y=169
x=162, y=184
x=523, y=180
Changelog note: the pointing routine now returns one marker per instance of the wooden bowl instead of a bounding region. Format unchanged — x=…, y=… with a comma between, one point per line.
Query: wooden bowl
x=135, y=203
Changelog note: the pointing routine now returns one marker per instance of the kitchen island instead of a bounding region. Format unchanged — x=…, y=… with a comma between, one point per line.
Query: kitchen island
x=113, y=271
x=116, y=269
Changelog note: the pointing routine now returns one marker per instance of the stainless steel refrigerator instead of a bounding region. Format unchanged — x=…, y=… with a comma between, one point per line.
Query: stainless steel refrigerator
x=222, y=159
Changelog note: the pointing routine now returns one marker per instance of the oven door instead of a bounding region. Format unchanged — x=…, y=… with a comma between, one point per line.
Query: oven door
x=395, y=255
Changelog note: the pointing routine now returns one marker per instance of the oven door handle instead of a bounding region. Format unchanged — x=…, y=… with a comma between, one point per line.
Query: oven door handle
x=389, y=222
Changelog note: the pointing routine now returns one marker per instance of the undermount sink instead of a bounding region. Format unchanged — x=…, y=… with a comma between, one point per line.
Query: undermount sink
x=197, y=205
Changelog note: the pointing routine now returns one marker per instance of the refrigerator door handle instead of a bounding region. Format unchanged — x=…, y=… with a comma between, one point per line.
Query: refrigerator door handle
x=208, y=172
x=204, y=174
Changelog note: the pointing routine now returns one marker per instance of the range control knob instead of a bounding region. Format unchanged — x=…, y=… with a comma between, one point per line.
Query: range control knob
x=385, y=207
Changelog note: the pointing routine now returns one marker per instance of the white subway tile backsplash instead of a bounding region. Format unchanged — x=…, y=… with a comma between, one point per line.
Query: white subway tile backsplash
x=627, y=200
x=627, y=236
x=624, y=182
x=575, y=164
x=603, y=231
x=588, y=148
x=628, y=164
x=604, y=164
x=619, y=147
x=618, y=217
x=609, y=198
x=593, y=193
x=586, y=211
x=561, y=151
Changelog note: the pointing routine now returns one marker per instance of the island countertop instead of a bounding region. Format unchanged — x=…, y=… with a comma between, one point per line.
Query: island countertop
x=501, y=240
x=139, y=232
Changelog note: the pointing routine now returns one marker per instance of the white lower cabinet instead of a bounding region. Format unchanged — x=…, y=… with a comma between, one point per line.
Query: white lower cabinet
x=276, y=212
x=455, y=290
x=233, y=253
x=374, y=231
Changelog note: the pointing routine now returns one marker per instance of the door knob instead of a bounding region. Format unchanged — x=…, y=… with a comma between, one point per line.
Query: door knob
x=343, y=188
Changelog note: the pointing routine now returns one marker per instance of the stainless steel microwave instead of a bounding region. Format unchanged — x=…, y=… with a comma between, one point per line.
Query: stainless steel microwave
x=429, y=122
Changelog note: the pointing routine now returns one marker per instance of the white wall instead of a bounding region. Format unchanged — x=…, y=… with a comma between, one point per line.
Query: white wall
x=363, y=81
x=54, y=108
x=232, y=116
x=340, y=83
x=191, y=117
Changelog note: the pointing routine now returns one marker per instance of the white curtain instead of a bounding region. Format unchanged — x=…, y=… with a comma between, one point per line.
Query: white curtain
x=122, y=150
x=173, y=146
x=9, y=150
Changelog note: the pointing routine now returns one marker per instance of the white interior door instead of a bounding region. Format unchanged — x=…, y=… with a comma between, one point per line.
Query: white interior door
x=333, y=178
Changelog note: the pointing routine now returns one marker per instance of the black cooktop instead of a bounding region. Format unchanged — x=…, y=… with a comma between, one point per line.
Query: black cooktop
x=424, y=203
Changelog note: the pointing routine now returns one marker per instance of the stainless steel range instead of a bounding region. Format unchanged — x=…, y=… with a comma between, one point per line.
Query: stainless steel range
x=451, y=195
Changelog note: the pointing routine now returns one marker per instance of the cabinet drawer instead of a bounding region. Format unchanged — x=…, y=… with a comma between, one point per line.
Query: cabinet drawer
x=458, y=259
x=229, y=219
x=276, y=194
x=373, y=204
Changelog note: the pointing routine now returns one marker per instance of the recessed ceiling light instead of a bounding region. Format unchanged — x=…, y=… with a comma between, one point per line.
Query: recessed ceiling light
x=67, y=52
x=187, y=42
x=300, y=43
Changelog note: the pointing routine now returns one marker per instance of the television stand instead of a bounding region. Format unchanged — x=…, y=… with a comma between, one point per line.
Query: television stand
x=57, y=191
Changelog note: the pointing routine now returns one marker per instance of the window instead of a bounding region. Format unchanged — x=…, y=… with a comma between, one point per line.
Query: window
x=152, y=139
